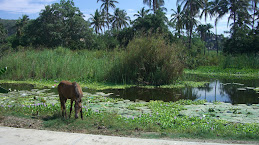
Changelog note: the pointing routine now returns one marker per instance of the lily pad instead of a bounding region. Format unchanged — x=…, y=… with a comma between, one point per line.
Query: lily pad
x=241, y=89
x=226, y=111
x=250, y=88
x=238, y=84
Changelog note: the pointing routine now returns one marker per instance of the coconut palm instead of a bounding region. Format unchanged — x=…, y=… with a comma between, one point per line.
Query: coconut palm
x=3, y=34
x=154, y=4
x=214, y=7
x=120, y=19
x=142, y=13
x=177, y=19
x=96, y=21
x=105, y=6
x=191, y=8
x=205, y=10
x=20, y=24
x=103, y=19
x=255, y=10
x=236, y=8
x=204, y=30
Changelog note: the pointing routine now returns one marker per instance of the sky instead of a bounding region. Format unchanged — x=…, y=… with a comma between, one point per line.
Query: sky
x=14, y=9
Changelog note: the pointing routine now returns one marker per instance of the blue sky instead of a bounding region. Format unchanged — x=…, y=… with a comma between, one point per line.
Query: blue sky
x=13, y=9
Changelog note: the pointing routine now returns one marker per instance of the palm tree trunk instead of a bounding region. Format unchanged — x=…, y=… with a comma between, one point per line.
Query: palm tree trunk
x=191, y=26
x=107, y=17
x=179, y=33
x=154, y=6
x=254, y=5
x=190, y=39
x=217, y=44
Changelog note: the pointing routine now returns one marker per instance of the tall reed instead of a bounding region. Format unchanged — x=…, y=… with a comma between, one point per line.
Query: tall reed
x=240, y=62
x=60, y=63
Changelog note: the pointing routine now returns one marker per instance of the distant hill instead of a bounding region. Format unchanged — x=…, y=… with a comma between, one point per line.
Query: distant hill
x=9, y=25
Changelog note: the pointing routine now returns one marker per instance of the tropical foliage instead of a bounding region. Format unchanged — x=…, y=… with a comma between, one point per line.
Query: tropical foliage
x=120, y=19
x=106, y=4
x=97, y=21
x=62, y=24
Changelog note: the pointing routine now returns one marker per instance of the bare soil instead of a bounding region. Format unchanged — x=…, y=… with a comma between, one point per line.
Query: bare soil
x=17, y=122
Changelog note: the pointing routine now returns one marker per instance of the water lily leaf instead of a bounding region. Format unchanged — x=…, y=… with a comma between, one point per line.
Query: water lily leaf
x=2, y=90
x=250, y=88
x=238, y=84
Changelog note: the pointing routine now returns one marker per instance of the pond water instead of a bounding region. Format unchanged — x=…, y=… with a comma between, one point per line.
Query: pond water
x=217, y=90
x=235, y=91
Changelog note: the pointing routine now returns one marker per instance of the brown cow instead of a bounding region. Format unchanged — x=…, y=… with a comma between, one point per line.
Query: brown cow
x=73, y=91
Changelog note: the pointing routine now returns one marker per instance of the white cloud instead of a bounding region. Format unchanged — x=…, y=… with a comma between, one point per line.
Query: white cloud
x=87, y=16
x=130, y=10
x=130, y=13
x=24, y=6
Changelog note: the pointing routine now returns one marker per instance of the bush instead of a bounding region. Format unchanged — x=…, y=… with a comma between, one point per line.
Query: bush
x=148, y=61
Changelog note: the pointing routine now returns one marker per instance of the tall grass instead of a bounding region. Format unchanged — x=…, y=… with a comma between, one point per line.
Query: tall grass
x=240, y=62
x=60, y=63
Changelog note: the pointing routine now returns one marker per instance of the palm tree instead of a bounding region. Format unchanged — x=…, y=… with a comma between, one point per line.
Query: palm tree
x=214, y=12
x=105, y=6
x=191, y=8
x=154, y=4
x=205, y=10
x=142, y=13
x=204, y=30
x=20, y=25
x=96, y=21
x=234, y=8
x=177, y=19
x=3, y=33
x=120, y=19
x=255, y=10
x=103, y=19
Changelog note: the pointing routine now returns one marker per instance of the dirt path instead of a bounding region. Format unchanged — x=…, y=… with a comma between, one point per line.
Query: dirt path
x=18, y=136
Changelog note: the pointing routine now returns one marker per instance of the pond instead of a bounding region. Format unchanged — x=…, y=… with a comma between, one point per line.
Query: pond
x=235, y=91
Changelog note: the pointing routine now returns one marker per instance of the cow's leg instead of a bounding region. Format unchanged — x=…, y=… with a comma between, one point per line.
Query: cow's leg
x=63, y=107
x=81, y=111
x=71, y=107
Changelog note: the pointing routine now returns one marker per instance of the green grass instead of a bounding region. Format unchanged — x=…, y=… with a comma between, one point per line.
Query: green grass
x=228, y=72
x=164, y=120
x=60, y=63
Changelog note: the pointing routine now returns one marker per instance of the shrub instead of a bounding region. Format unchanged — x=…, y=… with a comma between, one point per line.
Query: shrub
x=148, y=61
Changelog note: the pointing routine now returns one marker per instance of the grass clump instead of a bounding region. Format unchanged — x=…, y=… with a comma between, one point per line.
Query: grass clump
x=148, y=61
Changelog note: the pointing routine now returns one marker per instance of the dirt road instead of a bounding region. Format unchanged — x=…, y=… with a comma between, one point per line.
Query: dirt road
x=18, y=136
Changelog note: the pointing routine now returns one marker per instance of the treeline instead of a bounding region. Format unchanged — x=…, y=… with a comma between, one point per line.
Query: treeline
x=151, y=54
x=62, y=24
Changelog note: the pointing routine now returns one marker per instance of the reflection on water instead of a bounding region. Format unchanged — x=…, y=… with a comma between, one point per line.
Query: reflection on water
x=144, y=94
x=235, y=91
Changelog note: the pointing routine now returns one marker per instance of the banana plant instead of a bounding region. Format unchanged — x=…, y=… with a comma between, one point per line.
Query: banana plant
x=2, y=71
